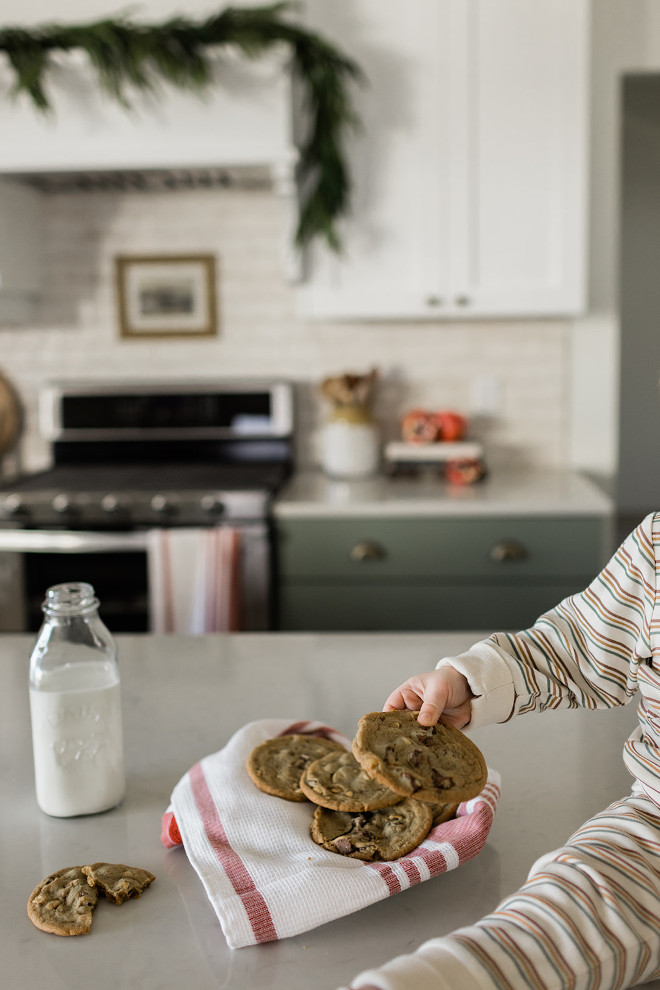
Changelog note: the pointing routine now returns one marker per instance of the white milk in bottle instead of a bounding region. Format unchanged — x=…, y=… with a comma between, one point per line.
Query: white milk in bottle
x=75, y=707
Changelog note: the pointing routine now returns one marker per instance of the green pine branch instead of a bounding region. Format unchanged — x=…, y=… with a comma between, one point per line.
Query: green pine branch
x=132, y=56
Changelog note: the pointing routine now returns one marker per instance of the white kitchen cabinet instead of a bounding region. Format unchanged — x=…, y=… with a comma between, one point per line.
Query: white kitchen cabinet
x=470, y=169
x=20, y=251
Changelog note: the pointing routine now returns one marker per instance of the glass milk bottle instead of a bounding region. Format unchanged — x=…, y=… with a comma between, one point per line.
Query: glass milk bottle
x=75, y=707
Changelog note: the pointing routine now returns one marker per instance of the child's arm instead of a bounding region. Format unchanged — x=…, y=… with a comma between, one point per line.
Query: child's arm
x=584, y=653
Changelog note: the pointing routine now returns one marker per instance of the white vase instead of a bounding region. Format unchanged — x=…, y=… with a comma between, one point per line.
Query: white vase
x=350, y=446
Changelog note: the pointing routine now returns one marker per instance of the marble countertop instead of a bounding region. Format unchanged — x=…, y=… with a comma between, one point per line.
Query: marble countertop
x=505, y=492
x=182, y=699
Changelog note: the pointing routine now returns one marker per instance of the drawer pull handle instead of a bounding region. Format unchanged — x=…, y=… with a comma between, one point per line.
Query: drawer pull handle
x=508, y=552
x=366, y=550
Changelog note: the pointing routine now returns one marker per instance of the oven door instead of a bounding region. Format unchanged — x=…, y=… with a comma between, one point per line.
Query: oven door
x=116, y=564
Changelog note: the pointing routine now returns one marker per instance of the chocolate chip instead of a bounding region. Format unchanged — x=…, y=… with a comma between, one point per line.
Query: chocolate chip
x=442, y=782
x=344, y=846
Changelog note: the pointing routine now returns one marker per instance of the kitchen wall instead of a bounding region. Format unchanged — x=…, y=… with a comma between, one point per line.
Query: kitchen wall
x=639, y=463
x=515, y=369
x=515, y=379
x=625, y=38
x=552, y=387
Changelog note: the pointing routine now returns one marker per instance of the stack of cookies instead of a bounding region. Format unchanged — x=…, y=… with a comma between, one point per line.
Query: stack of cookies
x=381, y=800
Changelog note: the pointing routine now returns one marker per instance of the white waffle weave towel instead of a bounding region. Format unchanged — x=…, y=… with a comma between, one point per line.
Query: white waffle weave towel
x=264, y=875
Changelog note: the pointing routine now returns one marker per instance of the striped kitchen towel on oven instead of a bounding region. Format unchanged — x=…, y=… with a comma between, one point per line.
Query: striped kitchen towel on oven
x=194, y=580
x=264, y=875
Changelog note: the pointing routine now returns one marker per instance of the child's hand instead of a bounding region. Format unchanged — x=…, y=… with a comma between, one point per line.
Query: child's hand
x=440, y=692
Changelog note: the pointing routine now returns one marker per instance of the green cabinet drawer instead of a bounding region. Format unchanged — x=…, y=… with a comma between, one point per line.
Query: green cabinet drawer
x=428, y=607
x=377, y=550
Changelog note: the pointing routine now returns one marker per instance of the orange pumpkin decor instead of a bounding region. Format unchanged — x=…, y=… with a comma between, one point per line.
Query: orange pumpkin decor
x=451, y=425
x=423, y=426
x=465, y=472
x=419, y=426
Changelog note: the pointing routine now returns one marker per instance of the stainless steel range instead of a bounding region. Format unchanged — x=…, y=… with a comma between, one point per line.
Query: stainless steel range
x=132, y=458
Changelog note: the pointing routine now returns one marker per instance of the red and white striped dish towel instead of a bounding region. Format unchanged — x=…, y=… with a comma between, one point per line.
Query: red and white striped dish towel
x=264, y=875
x=194, y=580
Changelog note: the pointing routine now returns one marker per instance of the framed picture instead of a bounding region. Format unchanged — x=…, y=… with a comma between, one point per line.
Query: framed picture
x=166, y=296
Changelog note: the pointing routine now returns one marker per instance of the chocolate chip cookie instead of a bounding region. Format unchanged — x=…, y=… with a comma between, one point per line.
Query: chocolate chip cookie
x=117, y=881
x=442, y=813
x=276, y=765
x=373, y=835
x=63, y=903
x=337, y=781
x=436, y=763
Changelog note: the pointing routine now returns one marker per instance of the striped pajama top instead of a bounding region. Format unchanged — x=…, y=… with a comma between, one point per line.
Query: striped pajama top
x=596, y=649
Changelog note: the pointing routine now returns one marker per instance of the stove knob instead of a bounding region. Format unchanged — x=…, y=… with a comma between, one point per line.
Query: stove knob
x=212, y=504
x=161, y=504
x=110, y=504
x=12, y=505
x=62, y=503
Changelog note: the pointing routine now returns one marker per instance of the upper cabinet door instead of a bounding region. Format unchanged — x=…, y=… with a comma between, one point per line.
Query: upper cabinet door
x=395, y=244
x=520, y=243
x=470, y=171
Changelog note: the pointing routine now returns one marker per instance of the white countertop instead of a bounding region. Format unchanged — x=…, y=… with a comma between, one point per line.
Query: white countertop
x=505, y=492
x=183, y=698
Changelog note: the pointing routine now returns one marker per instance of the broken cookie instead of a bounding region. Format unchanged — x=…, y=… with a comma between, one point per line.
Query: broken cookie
x=63, y=903
x=117, y=881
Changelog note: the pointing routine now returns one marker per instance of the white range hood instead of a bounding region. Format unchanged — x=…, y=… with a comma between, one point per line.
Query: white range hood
x=241, y=122
x=244, y=118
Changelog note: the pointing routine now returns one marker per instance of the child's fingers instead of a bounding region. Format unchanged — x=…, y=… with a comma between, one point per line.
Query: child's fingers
x=403, y=697
x=435, y=702
x=438, y=694
x=416, y=695
x=429, y=713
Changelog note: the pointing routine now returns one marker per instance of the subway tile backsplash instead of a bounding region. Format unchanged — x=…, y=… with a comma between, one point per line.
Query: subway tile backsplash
x=430, y=365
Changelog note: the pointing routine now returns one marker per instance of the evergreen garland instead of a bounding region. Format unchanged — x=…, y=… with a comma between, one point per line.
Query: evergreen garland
x=128, y=54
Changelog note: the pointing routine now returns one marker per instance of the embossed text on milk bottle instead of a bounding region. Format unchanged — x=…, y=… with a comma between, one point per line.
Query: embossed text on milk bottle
x=75, y=707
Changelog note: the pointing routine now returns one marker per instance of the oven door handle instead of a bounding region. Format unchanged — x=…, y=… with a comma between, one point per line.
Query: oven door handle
x=70, y=541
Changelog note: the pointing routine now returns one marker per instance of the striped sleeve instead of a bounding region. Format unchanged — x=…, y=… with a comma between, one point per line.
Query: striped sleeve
x=585, y=652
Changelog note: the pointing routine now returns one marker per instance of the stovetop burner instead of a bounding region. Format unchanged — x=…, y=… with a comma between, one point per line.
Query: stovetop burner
x=132, y=495
x=134, y=478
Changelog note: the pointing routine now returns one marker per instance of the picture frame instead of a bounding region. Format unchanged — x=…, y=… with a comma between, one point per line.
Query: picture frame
x=166, y=296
